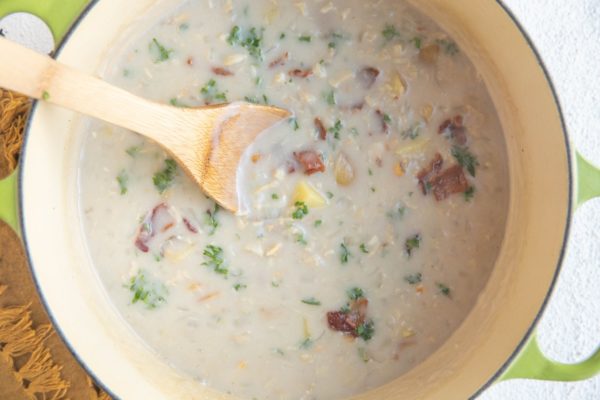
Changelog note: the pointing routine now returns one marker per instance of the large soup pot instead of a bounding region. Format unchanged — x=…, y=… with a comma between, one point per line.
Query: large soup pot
x=496, y=341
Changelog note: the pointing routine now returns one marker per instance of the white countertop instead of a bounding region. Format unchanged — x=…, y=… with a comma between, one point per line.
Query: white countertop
x=567, y=35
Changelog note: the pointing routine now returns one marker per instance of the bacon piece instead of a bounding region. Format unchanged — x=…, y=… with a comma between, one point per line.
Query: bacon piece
x=221, y=71
x=433, y=168
x=382, y=118
x=358, y=106
x=301, y=73
x=311, y=161
x=448, y=182
x=348, y=321
x=190, y=227
x=281, y=60
x=190, y=61
x=321, y=128
x=454, y=126
x=156, y=221
x=367, y=76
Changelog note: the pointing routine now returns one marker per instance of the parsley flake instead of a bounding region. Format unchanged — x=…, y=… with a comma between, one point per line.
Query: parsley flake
x=164, y=179
x=214, y=259
x=123, y=179
x=412, y=243
x=413, y=279
x=311, y=301
x=161, y=53
x=301, y=210
x=465, y=158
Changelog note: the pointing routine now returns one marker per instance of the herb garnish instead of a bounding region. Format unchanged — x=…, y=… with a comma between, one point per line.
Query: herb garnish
x=363, y=248
x=449, y=46
x=294, y=123
x=210, y=92
x=305, y=38
x=161, y=52
x=214, y=259
x=275, y=196
x=239, y=286
x=300, y=239
x=465, y=158
x=151, y=294
x=355, y=293
x=123, y=179
x=45, y=95
x=318, y=223
x=251, y=40
x=330, y=97
x=301, y=210
x=412, y=243
x=164, y=179
x=413, y=279
x=335, y=129
x=390, y=32
x=469, y=193
x=344, y=253
x=417, y=41
x=366, y=330
x=445, y=290
x=211, y=219
x=133, y=151
x=311, y=301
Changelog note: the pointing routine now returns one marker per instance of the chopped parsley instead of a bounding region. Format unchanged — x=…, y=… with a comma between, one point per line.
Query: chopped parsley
x=211, y=219
x=469, y=193
x=336, y=128
x=211, y=92
x=176, y=103
x=344, y=253
x=161, y=53
x=390, y=33
x=301, y=210
x=318, y=223
x=149, y=293
x=329, y=195
x=164, y=179
x=123, y=179
x=330, y=97
x=355, y=293
x=250, y=39
x=184, y=26
x=449, y=46
x=133, y=151
x=445, y=290
x=412, y=243
x=214, y=259
x=306, y=343
x=305, y=38
x=275, y=196
x=386, y=118
x=413, y=279
x=366, y=330
x=363, y=248
x=45, y=95
x=282, y=36
x=397, y=212
x=465, y=158
x=300, y=239
x=417, y=41
x=412, y=132
x=294, y=123
x=239, y=286
x=311, y=301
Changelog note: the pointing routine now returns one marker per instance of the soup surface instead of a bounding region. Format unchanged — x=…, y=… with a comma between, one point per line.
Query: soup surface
x=371, y=219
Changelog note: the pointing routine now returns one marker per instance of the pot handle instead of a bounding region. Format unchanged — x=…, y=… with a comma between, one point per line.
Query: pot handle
x=531, y=363
x=58, y=14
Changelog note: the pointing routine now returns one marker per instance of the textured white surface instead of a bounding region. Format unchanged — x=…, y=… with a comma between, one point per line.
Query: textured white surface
x=567, y=36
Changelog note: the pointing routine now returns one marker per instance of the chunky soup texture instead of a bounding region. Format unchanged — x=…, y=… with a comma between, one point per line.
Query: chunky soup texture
x=370, y=220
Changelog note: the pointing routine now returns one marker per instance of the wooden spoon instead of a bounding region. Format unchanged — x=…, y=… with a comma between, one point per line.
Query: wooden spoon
x=207, y=142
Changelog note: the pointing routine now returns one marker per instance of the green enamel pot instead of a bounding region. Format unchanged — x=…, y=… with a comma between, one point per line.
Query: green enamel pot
x=496, y=342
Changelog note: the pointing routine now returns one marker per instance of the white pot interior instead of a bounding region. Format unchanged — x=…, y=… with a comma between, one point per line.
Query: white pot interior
x=539, y=208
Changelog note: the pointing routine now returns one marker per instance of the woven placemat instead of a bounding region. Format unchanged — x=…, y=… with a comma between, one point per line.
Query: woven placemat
x=34, y=362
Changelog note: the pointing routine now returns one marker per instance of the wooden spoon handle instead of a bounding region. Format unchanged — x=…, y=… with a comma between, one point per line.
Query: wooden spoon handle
x=38, y=76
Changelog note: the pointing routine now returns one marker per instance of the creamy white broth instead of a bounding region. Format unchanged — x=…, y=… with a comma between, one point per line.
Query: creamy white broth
x=263, y=312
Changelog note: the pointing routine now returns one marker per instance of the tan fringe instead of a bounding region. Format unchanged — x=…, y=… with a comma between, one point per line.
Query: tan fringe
x=97, y=393
x=40, y=377
x=14, y=109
